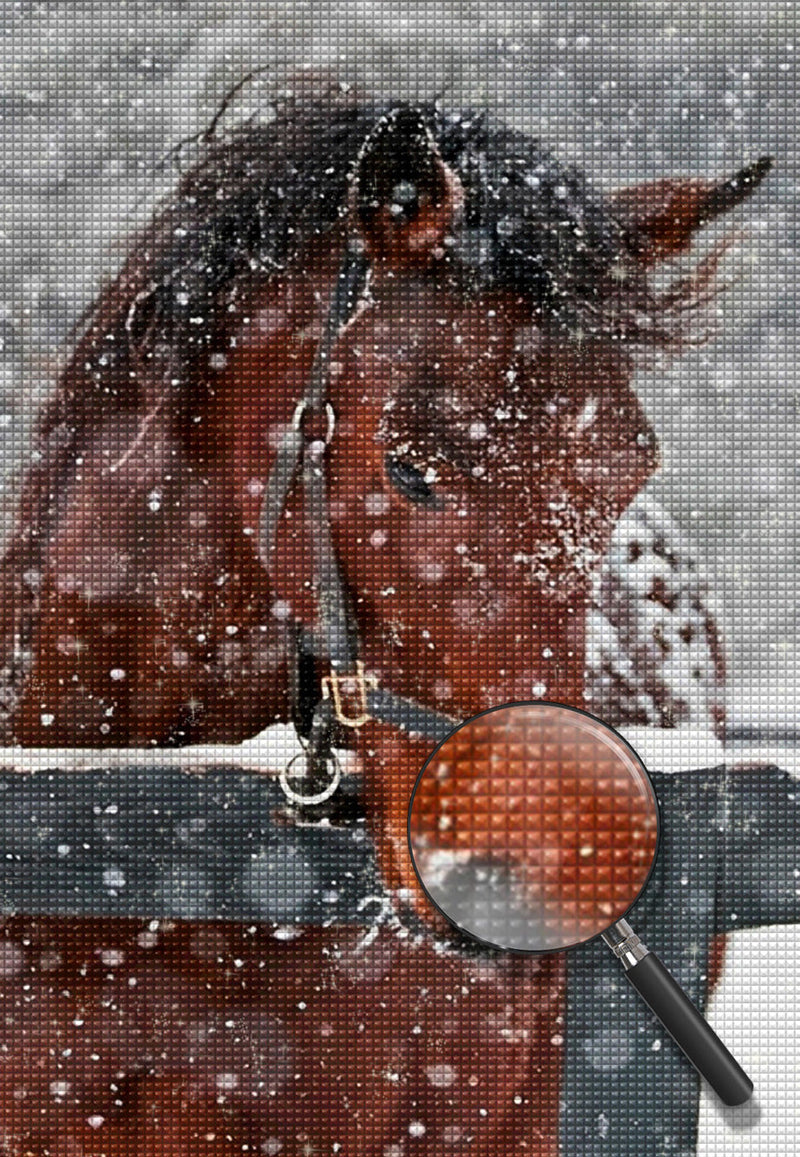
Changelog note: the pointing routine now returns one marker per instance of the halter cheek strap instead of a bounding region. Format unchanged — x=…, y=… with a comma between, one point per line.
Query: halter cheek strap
x=349, y=696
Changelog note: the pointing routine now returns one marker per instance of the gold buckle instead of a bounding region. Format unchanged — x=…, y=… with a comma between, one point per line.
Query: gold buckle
x=336, y=686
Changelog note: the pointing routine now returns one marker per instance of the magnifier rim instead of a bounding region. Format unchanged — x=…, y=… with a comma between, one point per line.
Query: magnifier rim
x=493, y=944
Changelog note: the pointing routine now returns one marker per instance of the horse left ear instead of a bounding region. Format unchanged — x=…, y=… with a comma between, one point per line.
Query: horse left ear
x=661, y=217
x=404, y=198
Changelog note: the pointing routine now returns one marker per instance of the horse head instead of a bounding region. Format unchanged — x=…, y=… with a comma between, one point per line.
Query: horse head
x=482, y=439
x=487, y=433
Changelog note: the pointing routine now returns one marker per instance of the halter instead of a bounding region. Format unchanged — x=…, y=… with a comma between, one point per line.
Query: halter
x=349, y=695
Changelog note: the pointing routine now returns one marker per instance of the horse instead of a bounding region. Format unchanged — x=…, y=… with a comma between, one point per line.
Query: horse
x=354, y=420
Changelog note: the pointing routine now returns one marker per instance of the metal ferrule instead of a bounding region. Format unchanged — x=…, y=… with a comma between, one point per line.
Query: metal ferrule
x=625, y=944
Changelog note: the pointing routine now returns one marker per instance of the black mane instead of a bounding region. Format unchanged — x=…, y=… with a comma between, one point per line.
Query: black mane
x=530, y=225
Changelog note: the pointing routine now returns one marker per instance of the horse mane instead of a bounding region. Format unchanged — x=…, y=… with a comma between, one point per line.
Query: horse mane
x=531, y=226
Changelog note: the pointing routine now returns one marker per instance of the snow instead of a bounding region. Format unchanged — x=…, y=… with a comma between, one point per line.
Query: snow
x=12, y=959
x=678, y=749
x=441, y=1076
x=93, y=94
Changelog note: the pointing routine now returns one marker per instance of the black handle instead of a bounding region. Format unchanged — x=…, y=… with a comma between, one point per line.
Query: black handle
x=690, y=1031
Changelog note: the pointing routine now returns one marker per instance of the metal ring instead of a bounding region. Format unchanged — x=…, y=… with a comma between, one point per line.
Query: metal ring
x=309, y=800
x=330, y=416
x=297, y=417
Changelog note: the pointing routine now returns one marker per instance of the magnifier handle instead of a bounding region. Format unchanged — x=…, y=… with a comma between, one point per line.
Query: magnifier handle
x=687, y=1027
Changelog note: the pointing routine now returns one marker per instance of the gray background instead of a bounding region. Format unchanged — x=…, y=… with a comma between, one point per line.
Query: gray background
x=92, y=94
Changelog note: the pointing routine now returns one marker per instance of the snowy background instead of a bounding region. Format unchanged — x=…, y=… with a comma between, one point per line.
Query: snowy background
x=93, y=94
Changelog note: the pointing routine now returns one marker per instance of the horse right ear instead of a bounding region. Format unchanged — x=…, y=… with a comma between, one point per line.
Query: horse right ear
x=405, y=199
x=660, y=218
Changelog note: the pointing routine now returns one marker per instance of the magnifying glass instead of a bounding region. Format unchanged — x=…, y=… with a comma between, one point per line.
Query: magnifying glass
x=534, y=827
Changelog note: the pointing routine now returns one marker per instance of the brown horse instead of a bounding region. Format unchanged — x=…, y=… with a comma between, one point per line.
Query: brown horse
x=481, y=441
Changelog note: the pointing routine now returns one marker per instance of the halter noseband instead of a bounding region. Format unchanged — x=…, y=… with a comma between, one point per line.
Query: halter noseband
x=337, y=639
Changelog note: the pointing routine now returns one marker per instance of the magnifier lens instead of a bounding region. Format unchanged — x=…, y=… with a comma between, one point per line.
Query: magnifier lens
x=533, y=827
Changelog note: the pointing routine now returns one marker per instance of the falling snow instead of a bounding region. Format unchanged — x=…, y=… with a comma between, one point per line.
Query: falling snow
x=723, y=121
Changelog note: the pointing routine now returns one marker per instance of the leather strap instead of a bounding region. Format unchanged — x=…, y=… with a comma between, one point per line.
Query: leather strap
x=410, y=716
x=336, y=639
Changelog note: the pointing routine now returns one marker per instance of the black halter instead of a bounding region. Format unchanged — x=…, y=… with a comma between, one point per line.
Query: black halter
x=349, y=696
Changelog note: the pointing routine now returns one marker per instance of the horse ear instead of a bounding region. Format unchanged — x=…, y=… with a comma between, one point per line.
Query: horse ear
x=404, y=197
x=661, y=217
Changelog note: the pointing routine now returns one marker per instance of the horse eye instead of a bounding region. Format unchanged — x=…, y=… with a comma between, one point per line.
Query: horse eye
x=408, y=481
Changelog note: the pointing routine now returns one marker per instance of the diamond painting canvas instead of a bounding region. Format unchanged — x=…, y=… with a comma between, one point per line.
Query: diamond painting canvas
x=366, y=367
